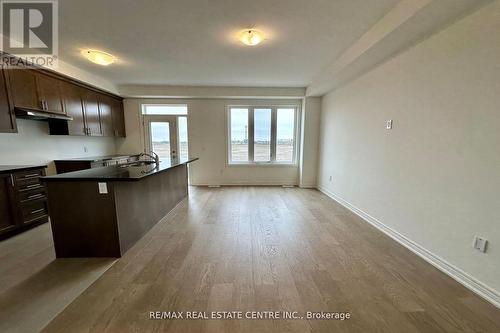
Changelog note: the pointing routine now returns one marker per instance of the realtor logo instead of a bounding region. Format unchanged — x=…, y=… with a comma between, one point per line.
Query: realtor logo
x=29, y=30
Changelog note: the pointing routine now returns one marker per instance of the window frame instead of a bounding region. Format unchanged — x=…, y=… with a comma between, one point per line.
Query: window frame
x=251, y=132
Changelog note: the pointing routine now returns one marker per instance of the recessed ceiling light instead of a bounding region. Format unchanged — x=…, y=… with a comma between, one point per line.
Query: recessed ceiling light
x=251, y=37
x=99, y=57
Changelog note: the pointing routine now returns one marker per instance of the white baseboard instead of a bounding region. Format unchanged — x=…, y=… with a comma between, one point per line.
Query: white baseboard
x=244, y=183
x=476, y=286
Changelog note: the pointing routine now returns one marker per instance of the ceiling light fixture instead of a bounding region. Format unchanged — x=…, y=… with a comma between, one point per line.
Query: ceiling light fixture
x=251, y=37
x=99, y=57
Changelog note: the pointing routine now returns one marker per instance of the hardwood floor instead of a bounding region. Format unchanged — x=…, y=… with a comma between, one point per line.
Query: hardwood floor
x=34, y=285
x=273, y=249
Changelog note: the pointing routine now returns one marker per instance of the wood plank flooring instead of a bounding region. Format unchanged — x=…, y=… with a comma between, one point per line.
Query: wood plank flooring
x=34, y=285
x=273, y=249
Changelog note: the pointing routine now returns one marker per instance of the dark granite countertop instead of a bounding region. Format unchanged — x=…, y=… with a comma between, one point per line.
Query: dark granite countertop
x=98, y=158
x=119, y=173
x=14, y=168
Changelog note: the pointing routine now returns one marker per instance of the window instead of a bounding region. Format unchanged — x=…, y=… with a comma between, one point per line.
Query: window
x=183, y=137
x=164, y=109
x=262, y=135
x=285, y=127
x=239, y=135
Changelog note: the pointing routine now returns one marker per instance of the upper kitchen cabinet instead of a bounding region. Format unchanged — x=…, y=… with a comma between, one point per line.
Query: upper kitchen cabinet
x=36, y=93
x=31, y=89
x=92, y=116
x=7, y=117
x=23, y=88
x=73, y=107
x=118, y=117
x=105, y=109
x=49, y=93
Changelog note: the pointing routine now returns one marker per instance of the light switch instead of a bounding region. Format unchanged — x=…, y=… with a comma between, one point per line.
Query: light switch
x=480, y=243
x=103, y=188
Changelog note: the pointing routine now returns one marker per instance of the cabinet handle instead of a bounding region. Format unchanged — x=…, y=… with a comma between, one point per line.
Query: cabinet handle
x=38, y=211
x=31, y=175
x=12, y=180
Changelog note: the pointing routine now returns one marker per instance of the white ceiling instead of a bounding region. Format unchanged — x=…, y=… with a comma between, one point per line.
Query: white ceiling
x=192, y=42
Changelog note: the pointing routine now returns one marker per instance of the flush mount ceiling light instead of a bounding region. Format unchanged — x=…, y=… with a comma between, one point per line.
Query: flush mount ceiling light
x=99, y=57
x=251, y=37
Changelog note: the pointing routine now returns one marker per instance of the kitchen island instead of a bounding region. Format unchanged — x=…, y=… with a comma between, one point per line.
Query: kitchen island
x=102, y=212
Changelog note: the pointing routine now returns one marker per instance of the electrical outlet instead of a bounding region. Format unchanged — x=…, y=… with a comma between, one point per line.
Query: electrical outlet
x=480, y=243
x=85, y=149
x=331, y=178
x=388, y=124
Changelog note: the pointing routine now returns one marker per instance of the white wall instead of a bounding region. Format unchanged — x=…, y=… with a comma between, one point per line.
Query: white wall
x=34, y=145
x=207, y=140
x=311, y=116
x=435, y=178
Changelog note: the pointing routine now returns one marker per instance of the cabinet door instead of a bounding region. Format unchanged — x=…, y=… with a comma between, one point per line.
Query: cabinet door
x=118, y=117
x=23, y=88
x=7, y=221
x=106, y=116
x=49, y=93
x=92, y=117
x=73, y=107
x=7, y=117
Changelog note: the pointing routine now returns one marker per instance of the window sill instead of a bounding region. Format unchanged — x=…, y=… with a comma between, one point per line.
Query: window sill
x=282, y=165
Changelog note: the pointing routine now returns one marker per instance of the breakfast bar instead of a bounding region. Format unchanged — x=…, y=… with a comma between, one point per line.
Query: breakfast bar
x=102, y=212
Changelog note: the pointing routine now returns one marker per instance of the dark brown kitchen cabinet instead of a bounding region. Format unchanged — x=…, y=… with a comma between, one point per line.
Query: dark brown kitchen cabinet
x=49, y=93
x=23, y=199
x=7, y=221
x=118, y=117
x=92, y=116
x=23, y=88
x=73, y=106
x=7, y=116
x=33, y=90
x=105, y=110
x=94, y=112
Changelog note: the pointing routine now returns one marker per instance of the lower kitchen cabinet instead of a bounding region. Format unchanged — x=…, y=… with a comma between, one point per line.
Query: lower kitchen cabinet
x=23, y=199
x=7, y=220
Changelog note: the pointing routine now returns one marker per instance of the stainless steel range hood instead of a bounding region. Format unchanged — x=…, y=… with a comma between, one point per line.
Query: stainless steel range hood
x=39, y=115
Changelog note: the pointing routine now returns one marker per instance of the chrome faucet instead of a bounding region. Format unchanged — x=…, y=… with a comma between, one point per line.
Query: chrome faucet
x=152, y=155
